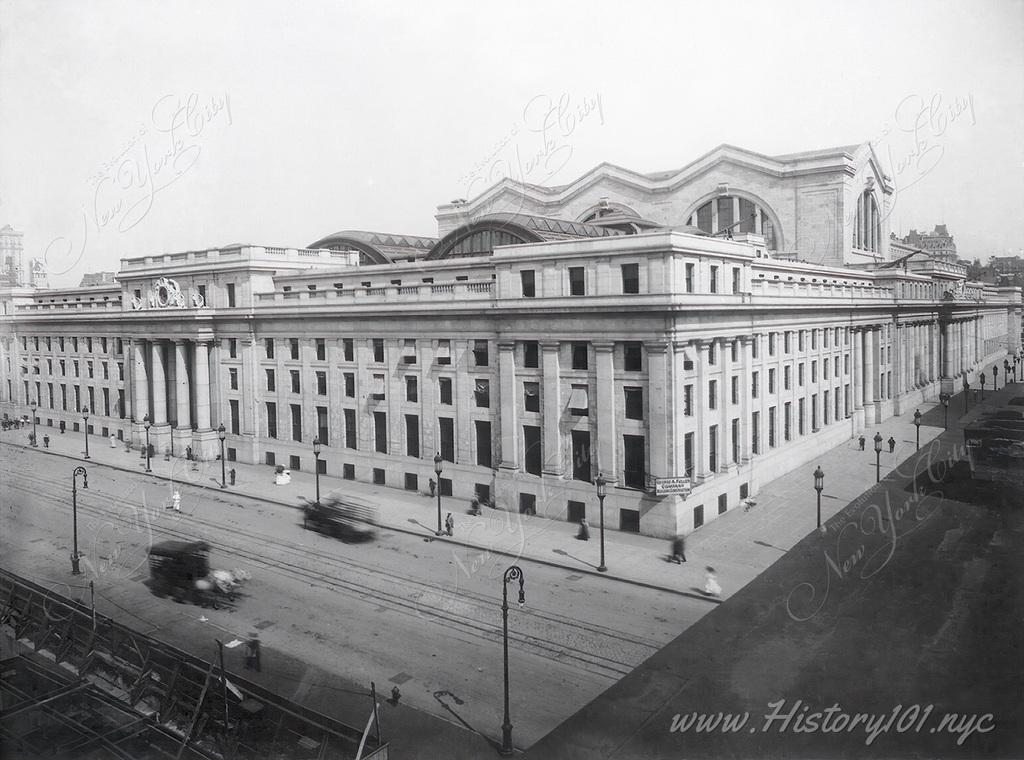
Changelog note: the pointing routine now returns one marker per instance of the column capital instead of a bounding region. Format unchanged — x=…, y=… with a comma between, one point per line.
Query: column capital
x=603, y=346
x=656, y=347
x=680, y=346
x=550, y=345
x=698, y=343
x=506, y=345
x=745, y=340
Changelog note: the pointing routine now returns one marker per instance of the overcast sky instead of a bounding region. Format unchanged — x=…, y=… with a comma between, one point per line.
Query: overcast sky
x=278, y=123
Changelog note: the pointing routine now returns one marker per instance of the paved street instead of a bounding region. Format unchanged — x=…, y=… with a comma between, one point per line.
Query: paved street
x=409, y=608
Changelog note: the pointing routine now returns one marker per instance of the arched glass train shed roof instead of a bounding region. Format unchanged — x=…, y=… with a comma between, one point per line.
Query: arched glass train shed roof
x=482, y=236
x=378, y=247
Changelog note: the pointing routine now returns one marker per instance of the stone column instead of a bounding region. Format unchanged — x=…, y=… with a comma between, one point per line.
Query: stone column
x=946, y=331
x=746, y=428
x=552, y=394
x=606, y=428
x=700, y=400
x=140, y=404
x=869, y=336
x=857, y=373
x=159, y=383
x=202, y=380
x=508, y=399
x=680, y=424
x=181, y=393
x=658, y=410
x=725, y=460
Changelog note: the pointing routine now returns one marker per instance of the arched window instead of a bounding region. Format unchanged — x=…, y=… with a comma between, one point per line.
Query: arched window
x=739, y=215
x=867, y=227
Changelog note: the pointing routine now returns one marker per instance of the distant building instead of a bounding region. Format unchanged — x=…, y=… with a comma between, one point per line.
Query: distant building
x=939, y=243
x=97, y=279
x=1007, y=264
x=12, y=257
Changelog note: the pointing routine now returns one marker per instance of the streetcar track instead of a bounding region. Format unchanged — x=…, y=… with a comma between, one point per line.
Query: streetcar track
x=546, y=648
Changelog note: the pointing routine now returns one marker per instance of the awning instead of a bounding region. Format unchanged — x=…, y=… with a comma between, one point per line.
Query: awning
x=578, y=398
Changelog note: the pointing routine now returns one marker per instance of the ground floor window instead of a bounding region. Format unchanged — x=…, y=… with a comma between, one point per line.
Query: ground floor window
x=634, y=461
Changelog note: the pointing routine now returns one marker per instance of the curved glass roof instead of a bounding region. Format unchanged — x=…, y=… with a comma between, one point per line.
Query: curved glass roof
x=377, y=247
x=481, y=236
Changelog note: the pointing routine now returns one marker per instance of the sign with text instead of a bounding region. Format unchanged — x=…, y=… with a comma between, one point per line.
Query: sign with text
x=666, y=486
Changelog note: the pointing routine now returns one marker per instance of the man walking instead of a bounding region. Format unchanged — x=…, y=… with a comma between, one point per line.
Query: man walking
x=678, y=550
x=892, y=444
x=861, y=442
x=449, y=524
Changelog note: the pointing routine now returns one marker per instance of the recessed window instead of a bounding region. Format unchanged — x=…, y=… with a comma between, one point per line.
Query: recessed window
x=482, y=393
x=577, y=284
x=579, y=401
x=713, y=394
x=480, y=355
x=293, y=344
x=231, y=294
x=271, y=385
x=348, y=347
x=296, y=388
x=444, y=389
x=411, y=388
x=350, y=384
x=378, y=350
x=321, y=350
x=689, y=278
x=580, y=355
x=233, y=379
x=634, y=403
x=630, y=278
x=321, y=383
x=632, y=356
x=531, y=354
x=269, y=345
x=531, y=397
x=714, y=279
x=526, y=276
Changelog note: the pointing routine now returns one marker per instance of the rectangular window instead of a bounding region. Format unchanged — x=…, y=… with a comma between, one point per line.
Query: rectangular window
x=825, y=408
x=755, y=432
x=61, y=342
x=787, y=377
x=579, y=355
x=814, y=339
x=350, y=384
x=379, y=388
x=688, y=400
x=444, y=352
x=271, y=419
x=800, y=374
x=824, y=366
x=825, y=337
x=579, y=401
x=348, y=349
x=771, y=380
x=232, y=348
x=296, y=388
x=233, y=405
x=446, y=427
x=106, y=400
x=787, y=431
x=689, y=278
x=787, y=343
x=321, y=383
x=814, y=371
x=771, y=344
x=444, y=388
x=231, y=295
x=754, y=346
x=531, y=397
x=296, y=410
x=735, y=280
x=409, y=351
x=712, y=394
x=480, y=354
x=735, y=389
x=800, y=340
x=713, y=448
x=577, y=284
x=483, y=443
x=634, y=403
x=412, y=435
x=754, y=376
x=380, y=432
x=688, y=455
x=533, y=450
x=735, y=438
x=771, y=427
x=293, y=344
x=411, y=388
x=734, y=350
x=712, y=353
x=800, y=416
x=269, y=345
x=202, y=294
x=581, y=455
x=271, y=383
x=378, y=350
x=482, y=393
x=714, y=279
x=814, y=411
x=531, y=354
x=632, y=356
x=321, y=350
x=88, y=345
x=233, y=379
x=322, y=428
x=630, y=278
x=350, y=429
x=526, y=277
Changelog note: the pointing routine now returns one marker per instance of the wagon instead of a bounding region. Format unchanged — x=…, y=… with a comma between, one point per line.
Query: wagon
x=181, y=570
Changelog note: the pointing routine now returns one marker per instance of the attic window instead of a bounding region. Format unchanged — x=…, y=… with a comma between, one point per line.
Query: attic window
x=339, y=286
x=366, y=284
x=311, y=287
x=286, y=288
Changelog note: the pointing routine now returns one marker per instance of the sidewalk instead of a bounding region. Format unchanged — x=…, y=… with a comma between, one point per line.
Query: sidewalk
x=739, y=544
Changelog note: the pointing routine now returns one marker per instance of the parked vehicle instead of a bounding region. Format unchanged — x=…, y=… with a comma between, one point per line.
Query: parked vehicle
x=346, y=517
x=181, y=569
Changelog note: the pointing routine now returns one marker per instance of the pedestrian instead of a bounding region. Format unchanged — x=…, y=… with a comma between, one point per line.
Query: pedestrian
x=433, y=487
x=46, y=441
x=892, y=444
x=252, y=652
x=711, y=587
x=231, y=474
x=113, y=441
x=188, y=453
x=474, y=506
x=584, y=534
x=449, y=524
x=176, y=502
x=861, y=442
x=678, y=550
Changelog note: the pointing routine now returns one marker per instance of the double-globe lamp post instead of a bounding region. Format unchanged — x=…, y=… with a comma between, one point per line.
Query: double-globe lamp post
x=85, y=417
x=74, y=514
x=602, y=486
x=33, y=406
x=878, y=456
x=222, y=433
x=146, y=424
x=995, y=377
x=316, y=456
x=819, y=484
x=917, y=424
x=437, y=471
x=514, y=573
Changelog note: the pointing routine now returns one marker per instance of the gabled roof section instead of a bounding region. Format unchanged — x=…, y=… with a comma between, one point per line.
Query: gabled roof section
x=378, y=247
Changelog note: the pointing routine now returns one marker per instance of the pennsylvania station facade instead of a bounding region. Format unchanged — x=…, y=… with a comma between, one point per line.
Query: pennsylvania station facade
x=689, y=335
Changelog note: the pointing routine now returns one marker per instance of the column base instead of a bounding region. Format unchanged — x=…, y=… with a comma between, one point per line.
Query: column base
x=181, y=440
x=870, y=415
x=206, y=445
x=159, y=438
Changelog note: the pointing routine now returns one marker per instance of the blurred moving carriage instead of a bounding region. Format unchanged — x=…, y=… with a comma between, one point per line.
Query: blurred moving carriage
x=341, y=515
x=182, y=570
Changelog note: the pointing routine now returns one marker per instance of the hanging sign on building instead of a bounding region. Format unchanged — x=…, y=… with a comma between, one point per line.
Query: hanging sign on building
x=666, y=486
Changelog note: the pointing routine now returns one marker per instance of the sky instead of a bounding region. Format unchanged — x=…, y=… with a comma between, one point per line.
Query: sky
x=136, y=128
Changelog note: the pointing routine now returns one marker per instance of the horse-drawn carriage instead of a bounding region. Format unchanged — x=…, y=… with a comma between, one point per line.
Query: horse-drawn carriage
x=182, y=570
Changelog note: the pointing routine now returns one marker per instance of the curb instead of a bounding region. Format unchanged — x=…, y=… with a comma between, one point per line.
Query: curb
x=399, y=529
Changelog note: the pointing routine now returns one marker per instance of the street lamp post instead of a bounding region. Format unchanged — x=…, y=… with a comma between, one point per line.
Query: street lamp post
x=967, y=393
x=819, y=484
x=512, y=574
x=437, y=470
x=995, y=377
x=85, y=416
x=917, y=424
x=146, y=423
x=221, y=433
x=944, y=398
x=1006, y=371
x=316, y=456
x=602, y=485
x=982, y=386
x=878, y=457
x=33, y=406
x=74, y=514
